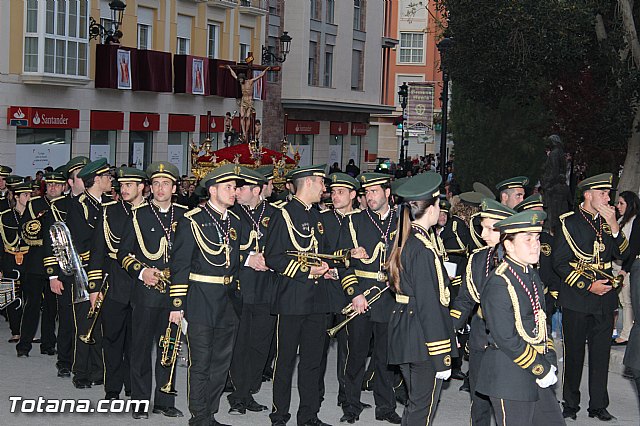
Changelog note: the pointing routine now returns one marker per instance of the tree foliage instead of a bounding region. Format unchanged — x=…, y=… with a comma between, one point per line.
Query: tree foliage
x=525, y=69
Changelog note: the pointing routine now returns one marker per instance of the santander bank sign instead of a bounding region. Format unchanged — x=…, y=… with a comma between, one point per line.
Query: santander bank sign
x=50, y=118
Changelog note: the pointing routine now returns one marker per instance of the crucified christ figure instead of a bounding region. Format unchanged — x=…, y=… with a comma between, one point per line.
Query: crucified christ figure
x=246, y=102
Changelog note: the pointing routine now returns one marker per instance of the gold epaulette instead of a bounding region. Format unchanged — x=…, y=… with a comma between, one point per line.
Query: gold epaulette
x=82, y=197
x=234, y=215
x=279, y=204
x=352, y=212
x=567, y=214
x=35, y=198
x=57, y=198
x=142, y=204
x=181, y=206
x=6, y=211
x=193, y=212
x=480, y=249
x=109, y=203
x=325, y=210
x=501, y=269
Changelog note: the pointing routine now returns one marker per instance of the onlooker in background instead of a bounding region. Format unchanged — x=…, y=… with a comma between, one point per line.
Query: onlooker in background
x=628, y=206
x=352, y=170
x=335, y=168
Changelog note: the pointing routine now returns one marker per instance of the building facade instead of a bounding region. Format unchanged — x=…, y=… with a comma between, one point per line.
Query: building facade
x=63, y=94
x=415, y=58
x=331, y=80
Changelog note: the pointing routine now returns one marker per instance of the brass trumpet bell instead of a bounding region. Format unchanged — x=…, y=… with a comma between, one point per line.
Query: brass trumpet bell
x=593, y=272
x=170, y=350
x=316, y=259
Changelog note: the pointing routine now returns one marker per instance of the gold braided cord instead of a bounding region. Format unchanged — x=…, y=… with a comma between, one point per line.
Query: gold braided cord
x=109, y=237
x=163, y=250
x=352, y=231
x=379, y=250
x=541, y=322
x=580, y=254
x=4, y=237
x=253, y=235
x=313, y=244
x=203, y=245
x=444, y=294
x=473, y=291
x=472, y=231
x=57, y=213
x=455, y=232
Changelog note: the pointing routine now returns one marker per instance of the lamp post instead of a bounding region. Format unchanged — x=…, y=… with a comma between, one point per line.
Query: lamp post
x=444, y=45
x=403, y=94
x=117, y=11
x=269, y=58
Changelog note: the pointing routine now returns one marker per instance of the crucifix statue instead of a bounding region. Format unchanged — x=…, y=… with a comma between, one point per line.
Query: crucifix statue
x=244, y=70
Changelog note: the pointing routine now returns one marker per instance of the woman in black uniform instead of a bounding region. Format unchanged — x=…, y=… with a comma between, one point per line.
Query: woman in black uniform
x=519, y=366
x=421, y=338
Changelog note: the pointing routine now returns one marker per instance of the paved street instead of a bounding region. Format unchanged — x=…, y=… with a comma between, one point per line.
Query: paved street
x=36, y=376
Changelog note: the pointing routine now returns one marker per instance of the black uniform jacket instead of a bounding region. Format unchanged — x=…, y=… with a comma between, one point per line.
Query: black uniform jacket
x=456, y=239
x=13, y=248
x=144, y=240
x=104, y=251
x=366, y=229
x=481, y=262
x=257, y=286
x=514, y=358
x=298, y=227
x=34, y=231
x=420, y=327
x=548, y=274
x=205, y=261
x=576, y=240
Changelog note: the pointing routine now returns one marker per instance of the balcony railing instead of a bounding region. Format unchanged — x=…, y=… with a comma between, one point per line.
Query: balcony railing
x=254, y=7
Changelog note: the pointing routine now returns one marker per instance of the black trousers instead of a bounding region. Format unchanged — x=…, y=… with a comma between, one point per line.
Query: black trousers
x=480, y=404
x=66, y=328
x=303, y=335
x=116, y=345
x=424, y=393
x=147, y=325
x=14, y=312
x=341, y=338
x=543, y=412
x=635, y=373
x=251, y=350
x=87, y=359
x=37, y=295
x=359, y=332
x=210, y=351
x=596, y=330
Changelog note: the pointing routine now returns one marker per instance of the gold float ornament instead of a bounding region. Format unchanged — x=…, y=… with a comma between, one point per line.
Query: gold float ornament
x=252, y=155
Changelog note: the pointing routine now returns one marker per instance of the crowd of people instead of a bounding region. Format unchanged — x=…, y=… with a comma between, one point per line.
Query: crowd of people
x=256, y=276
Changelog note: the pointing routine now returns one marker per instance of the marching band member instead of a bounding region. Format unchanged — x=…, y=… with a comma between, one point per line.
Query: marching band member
x=421, y=336
x=5, y=171
x=145, y=252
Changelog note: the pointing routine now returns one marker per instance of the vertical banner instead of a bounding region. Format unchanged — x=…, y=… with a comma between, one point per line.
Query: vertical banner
x=354, y=152
x=420, y=106
x=197, y=77
x=124, y=69
x=137, y=158
x=176, y=157
x=257, y=86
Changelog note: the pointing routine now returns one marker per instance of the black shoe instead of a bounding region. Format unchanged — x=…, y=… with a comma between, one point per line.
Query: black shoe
x=81, y=383
x=64, y=372
x=167, y=411
x=314, y=422
x=14, y=339
x=140, y=414
x=464, y=387
x=97, y=382
x=49, y=351
x=614, y=342
x=279, y=423
x=112, y=395
x=349, y=418
x=23, y=354
x=214, y=422
x=458, y=375
x=254, y=406
x=237, y=408
x=569, y=413
x=391, y=417
x=601, y=414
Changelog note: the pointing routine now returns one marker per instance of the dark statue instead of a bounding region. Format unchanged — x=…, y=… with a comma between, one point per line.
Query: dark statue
x=554, y=183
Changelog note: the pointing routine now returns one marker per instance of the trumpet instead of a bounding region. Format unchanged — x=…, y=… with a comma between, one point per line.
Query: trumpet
x=592, y=272
x=315, y=259
x=170, y=350
x=164, y=278
x=351, y=313
x=94, y=312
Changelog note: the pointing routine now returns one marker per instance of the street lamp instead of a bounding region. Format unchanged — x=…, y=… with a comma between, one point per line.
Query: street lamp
x=117, y=11
x=444, y=45
x=403, y=94
x=268, y=57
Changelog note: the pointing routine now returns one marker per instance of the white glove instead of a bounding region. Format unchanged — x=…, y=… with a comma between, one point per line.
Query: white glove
x=549, y=380
x=443, y=375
